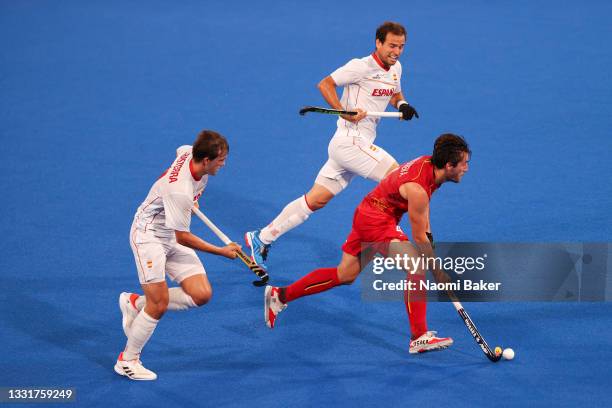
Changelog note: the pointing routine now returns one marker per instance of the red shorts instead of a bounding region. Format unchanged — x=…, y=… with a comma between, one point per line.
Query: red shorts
x=372, y=228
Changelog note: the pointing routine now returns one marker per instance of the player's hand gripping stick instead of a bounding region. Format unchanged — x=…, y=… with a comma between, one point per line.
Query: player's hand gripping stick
x=256, y=269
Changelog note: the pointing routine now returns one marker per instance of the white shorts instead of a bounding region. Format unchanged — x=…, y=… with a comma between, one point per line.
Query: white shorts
x=157, y=256
x=351, y=156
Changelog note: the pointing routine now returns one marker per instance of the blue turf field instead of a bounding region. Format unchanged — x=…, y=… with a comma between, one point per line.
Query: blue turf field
x=95, y=96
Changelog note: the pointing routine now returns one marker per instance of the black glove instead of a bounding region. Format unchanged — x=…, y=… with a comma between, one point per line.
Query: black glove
x=407, y=111
x=430, y=236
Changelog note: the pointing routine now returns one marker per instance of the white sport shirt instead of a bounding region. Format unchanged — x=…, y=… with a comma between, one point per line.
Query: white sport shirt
x=169, y=203
x=369, y=86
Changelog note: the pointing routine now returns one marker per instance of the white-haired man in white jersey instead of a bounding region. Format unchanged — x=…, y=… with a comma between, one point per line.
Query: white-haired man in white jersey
x=370, y=84
x=163, y=245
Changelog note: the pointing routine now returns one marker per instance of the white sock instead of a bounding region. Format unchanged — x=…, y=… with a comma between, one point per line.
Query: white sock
x=141, y=331
x=294, y=213
x=178, y=300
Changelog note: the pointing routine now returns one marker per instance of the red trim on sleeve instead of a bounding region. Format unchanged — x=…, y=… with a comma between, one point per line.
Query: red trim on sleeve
x=379, y=62
x=195, y=176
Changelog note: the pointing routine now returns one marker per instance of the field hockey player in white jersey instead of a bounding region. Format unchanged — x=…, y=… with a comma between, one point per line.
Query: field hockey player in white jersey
x=370, y=84
x=162, y=244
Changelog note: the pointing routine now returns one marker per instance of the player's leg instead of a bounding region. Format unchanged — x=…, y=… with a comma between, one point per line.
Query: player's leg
x=185, y=268
x=317, y=281
x=128, y=363
x=324, y=279
x=365, y=159
x=150, y=257
x=198, y=289
x=415, y=300
x=385, y=166
x=330, y=181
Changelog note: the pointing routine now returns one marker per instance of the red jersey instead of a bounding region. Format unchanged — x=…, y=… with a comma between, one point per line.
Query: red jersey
x=386, y=197
x=376, y=219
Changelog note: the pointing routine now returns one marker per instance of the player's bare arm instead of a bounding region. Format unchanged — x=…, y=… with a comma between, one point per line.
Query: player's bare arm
x=396, y=98
x=190, y=240
x=418, y=212
x=327, y=87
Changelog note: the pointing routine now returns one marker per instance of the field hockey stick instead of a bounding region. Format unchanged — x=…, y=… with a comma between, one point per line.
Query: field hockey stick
x=475, y=333
x=256, y=269
x=316, y=109
x=441, y=276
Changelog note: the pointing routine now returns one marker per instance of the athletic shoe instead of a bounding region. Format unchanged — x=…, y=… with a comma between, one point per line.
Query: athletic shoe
x=429, y=342
x=133, y=369
x=127, y=304
x=272, y=305
x=259, y=250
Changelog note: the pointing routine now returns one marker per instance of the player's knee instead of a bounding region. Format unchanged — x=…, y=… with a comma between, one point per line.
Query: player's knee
x=202, y=296
x=318, y=196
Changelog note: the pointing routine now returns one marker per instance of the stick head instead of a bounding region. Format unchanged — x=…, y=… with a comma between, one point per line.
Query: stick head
x=261, y=274
x=306, y=109
x=262, y=282
x=327, y=111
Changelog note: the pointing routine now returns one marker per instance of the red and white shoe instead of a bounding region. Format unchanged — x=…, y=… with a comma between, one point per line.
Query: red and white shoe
x=133, y=369
x=428, y=341
x=272, y=305
x=127, y=304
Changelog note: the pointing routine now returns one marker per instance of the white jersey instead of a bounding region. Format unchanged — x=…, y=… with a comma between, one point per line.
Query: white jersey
x=168, y=205
x=368, y=86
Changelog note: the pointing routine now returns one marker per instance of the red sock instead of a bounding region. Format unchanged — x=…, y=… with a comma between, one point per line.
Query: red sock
x=316, y=281
x=416, y=306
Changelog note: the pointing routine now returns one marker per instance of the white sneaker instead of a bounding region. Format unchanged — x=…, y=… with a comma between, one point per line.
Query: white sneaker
x=272, y=305
x=429, y=342
x=128, y=310
x=133, y=369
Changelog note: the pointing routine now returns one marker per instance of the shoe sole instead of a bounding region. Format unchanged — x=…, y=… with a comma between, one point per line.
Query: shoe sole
x=437, y=347
x=267, y=306
x=119, y=370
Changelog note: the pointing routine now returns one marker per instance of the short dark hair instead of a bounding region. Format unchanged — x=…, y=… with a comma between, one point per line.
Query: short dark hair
x=448, y=148
x=209, y=144
x=389, y=27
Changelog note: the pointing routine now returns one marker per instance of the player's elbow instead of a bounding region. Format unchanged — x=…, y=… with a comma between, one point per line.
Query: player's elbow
x=326, y=83
x=320, y=85
x=182, y=237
